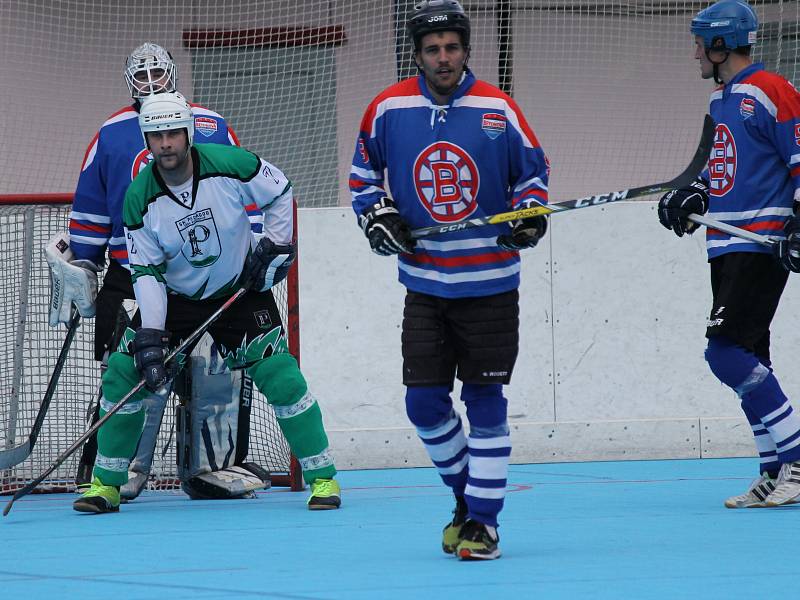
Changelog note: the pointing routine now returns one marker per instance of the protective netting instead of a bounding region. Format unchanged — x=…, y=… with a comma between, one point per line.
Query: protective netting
x=610, y=87
x=29, y=349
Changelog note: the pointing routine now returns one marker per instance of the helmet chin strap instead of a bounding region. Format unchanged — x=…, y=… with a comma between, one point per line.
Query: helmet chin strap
x=717, y=64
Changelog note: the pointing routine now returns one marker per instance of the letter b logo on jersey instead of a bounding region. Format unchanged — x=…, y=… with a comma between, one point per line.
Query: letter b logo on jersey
x=722, y=163
x=447, y=181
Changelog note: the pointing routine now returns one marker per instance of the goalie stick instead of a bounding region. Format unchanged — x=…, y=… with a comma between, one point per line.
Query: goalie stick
x=689, y=174
x=13, y=456
x=24, y=491
x=735, y=231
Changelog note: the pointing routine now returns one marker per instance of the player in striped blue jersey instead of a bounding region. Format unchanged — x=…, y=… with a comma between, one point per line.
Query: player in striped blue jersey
x=453, y=147
x=752, y=182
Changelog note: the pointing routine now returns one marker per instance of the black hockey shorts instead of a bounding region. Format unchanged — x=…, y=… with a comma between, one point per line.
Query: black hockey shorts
x=476, y=339
x=116, y=287
x=253, y=315
x=747, y=287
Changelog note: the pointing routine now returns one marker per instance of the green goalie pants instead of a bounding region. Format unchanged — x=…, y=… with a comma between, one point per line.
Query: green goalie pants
x=277, y=376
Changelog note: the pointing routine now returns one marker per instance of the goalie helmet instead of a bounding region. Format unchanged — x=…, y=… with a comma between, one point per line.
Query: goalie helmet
x=438, y=15
x=162, y=112
x=150, y=70
x=726, y=25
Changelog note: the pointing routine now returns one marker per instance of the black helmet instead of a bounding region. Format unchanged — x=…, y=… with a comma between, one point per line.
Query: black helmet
x=438, y=15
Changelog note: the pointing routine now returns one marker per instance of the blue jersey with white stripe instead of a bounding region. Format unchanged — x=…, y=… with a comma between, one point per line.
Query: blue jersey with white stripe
x=475, y=156
x=754, y=168
x=115, y=156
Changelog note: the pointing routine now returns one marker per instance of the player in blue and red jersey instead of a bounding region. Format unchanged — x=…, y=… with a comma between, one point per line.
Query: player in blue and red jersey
x=753, y=182
x=453, y=147
x=113, y=159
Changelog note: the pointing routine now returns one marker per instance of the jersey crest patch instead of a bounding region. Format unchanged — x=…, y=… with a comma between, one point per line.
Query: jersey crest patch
x=447, y=181
x=722, y=163
x=797, y=134
x=201, y=246
x=140, y=162
x=747, y=108
x=205, y=126
x=493, y=124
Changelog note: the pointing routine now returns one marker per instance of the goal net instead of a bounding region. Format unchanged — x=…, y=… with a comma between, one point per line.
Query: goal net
x=610, y=87
x=29, y=349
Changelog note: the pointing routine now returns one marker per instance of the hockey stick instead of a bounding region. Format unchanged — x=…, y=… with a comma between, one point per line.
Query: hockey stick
x=735, y=231
x=89, y=432
x=689, y=174
x=13, y=456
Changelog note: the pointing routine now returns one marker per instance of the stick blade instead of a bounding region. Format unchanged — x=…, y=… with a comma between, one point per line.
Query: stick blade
x=13, y=456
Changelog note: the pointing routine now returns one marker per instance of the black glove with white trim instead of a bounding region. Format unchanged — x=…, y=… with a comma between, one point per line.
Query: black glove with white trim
x=386, y=231
x=525, y=233
x=788, y=251
x=676, y=206
x=268, y=264
x=149, y=352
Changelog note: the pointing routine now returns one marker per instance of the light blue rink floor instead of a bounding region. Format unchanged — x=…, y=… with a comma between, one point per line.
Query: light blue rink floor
x=632, y=530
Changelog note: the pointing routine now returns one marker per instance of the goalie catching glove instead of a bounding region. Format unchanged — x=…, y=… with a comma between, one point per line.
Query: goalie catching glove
x=268, y=264
x=386, y=231
x=788, y=251
x=71, y=281
x=676, y=206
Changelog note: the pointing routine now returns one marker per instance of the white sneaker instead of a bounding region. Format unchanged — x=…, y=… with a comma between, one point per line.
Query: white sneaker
x=787, y=489
x=755, y=496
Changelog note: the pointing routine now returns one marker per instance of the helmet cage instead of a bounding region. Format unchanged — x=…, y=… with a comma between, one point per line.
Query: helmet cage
x=150, y=70
x=165, y=112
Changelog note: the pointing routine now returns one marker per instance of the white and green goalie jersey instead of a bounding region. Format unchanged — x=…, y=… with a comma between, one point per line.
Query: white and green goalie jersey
x=195, y=245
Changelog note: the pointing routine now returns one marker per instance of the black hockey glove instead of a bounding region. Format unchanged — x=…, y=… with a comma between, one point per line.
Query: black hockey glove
x=788, y=251
x=149, y=351
x=676, y=206
x=525, y=233
x=386, y=231
x=268, y=264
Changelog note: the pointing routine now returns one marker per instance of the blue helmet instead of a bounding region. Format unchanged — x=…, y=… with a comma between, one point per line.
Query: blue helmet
x=726, y=25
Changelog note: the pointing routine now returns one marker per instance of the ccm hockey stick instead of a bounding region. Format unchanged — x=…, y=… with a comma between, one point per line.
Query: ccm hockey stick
x=24, y=491
x=689, y=174
x=735, y=231
x=13, y=456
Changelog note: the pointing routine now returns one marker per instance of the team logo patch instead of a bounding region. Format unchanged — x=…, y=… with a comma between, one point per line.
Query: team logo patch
x=747, y=108
x=201, y=246
x=263, y=319
x=722, y=163
x=140, y=162
x=205, y=126
x=797, y=134
x=493, y=124
x=447, y=182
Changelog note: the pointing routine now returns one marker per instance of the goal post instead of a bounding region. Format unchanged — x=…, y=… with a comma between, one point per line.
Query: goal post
x=29, y=347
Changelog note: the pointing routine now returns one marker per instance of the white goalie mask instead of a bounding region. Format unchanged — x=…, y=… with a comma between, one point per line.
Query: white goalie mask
x=162, y=112
x=150, y=70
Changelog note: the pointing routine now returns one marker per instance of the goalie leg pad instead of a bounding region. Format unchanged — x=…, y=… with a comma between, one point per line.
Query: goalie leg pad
x=279, y=378
x=241, y=481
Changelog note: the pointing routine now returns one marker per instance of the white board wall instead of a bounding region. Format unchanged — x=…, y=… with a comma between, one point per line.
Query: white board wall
x=611, y=366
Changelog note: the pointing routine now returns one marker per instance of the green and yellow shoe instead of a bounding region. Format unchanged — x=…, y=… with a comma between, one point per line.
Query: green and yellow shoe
x=325, y=495
x=478, y=542
x=451, y=535
x=99, y=499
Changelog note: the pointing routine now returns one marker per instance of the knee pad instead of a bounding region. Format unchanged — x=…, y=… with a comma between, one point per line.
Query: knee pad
x=428, y=406
x=487, y=409
x=279, y=378
x=120, y=377
x=734, y=366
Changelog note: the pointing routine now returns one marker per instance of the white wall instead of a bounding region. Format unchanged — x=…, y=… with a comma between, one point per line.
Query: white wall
x=611, y=360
